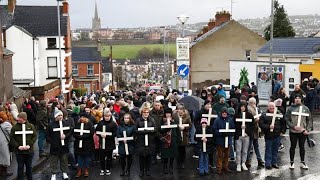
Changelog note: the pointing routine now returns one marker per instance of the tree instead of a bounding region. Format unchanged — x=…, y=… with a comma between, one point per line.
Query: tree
x=145, y=53
x=84, y=36
x=243, y=77
x=282, y=25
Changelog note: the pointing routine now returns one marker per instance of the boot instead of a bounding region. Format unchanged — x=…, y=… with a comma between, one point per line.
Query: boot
x=122, y=173
x=86, y=172
x=79, y=173
x=165, y=168
x=171, y=169
x=127, y=172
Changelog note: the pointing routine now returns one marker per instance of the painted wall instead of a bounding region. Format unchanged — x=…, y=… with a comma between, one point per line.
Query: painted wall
x=314, y=68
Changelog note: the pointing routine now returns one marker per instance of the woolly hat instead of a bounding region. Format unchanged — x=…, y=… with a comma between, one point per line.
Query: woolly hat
x=231, y=111
x=298, y=95
x=3, y=116
x=76, y=110
x=23, y=115
x=204, y=120
x=224, y=109
x=57, y=113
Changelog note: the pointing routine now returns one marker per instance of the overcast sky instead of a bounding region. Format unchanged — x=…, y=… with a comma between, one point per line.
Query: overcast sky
x=141, y=13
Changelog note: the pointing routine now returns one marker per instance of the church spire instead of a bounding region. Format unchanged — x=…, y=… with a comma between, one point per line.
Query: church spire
x=96, y=16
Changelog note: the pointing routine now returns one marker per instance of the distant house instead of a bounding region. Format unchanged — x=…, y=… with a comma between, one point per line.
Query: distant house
x=31, y=33
x=87, y=68
x=222, y=40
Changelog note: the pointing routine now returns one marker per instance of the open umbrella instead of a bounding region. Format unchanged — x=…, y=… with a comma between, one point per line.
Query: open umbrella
x=193, y=103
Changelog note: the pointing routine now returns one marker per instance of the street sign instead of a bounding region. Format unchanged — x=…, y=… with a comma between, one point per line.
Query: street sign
x=180, y=62
x=182, y=48
x=183, y=70
x=183, y=83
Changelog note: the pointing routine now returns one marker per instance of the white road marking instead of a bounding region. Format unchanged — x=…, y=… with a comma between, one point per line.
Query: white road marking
x=315, y=176
x=263, y=173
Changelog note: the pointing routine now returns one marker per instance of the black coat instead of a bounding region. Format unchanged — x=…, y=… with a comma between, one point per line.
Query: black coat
x=210, y=141
x=279, y=126
x=141, y=149
x=198, y=117
x=87, y=139
x=54, y=139
x=249, y=125
x=111, y=126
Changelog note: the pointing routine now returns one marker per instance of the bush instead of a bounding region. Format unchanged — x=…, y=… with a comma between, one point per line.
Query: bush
x=79, y=91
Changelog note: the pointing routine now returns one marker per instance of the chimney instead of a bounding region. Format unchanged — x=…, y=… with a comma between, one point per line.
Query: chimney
x=98, y=45
x=11, y=6
x=222, y=17
x=65, y=9
x=205, y=29
x=211, y=24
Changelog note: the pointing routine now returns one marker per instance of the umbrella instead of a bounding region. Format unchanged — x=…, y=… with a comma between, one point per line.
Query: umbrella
x=193, y=103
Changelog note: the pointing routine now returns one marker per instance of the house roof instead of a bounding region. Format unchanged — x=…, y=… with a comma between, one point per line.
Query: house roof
x=17, y=92
x=84, y=54
x=37, y=20
x=209, y=33
x=7, y=52
x=23, y=30
x=292, y=46
x=106, y=65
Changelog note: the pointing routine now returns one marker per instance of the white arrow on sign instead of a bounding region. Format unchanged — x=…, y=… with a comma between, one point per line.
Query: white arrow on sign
x=182, y=71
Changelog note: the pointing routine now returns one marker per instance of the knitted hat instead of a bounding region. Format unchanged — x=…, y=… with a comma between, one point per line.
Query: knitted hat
x=231, y=111
x=23, y=115
x=3, y=116
x=76, y=110
x=204, y=120
x=298, y=95
x=224, y=109
x=57, y=113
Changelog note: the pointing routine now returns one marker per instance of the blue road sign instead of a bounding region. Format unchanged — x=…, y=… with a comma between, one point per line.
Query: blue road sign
x=183, y=70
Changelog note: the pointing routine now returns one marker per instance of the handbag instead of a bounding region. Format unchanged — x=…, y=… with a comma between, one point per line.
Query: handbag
x=9, y=144
x=311, y=142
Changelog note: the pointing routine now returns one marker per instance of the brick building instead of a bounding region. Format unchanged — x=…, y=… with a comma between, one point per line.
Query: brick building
x=87, y=68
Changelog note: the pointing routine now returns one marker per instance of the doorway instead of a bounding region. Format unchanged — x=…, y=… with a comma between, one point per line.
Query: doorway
x=305, y=75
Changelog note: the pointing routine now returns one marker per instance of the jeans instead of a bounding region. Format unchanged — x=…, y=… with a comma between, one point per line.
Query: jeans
x=203, y=162
x=41, y=139
x=213, y=157
x=63, y=159
x=242, y=145
x=294, y=138
x=192, y=133
x=255, y=143
x=271, y=154
x=24, y=160
x=84, y=160
x=232, y=149
x=72, y=158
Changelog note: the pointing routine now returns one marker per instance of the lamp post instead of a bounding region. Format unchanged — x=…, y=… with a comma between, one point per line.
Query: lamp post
x=164, y=56
x=183, y=19
x=59, y=45
x=271, y=45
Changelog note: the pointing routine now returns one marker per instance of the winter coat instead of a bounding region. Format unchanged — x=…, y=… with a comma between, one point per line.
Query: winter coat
x=220, y=123
x=141, y=149
x=311, y=99
x=256, y=129
x=134, y=113
x=70, y=122
x=42, y=118
x=292, y=120
x=198, y=116
x=131, y=131
x=54, y=138
x=222, y=92
x=87, y=139
x=284, y=101
x=279, y=126
x=294, y=93
x=186, y=119
x=4, y=147
x=111, y=126
x=218, y=106
x=157, y=116
x=16, y=139
x=170, y=150
x=210, y=141
x=249, y=126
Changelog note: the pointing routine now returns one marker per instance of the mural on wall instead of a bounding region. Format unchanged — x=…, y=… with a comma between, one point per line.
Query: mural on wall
x=263, y=79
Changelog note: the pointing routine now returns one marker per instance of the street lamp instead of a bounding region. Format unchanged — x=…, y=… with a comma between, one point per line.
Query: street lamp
x=271, y=44
x=164, y=55
x=59, y=45
x=183, y=19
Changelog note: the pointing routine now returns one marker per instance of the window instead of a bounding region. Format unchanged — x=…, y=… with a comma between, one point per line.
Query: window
x=90, y=70
x=52, y=43
x=75, y=69
x=52, y=67
x=248, y=54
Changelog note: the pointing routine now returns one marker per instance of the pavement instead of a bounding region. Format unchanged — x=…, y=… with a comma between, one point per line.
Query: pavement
x=42, y=166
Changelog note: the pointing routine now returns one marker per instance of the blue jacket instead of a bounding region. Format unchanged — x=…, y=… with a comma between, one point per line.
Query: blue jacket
x=131, y=132
x=222, y=92
x=220, y=123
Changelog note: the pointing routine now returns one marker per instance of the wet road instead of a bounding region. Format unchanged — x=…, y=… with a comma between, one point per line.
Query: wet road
x=190, y=171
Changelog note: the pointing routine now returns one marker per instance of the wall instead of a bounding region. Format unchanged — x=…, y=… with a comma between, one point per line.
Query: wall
x=210, y=57
x=6, y=77
x=291, y=71
x=314, y=68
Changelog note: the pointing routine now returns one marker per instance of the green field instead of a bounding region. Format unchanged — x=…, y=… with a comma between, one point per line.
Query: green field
x=131, y=51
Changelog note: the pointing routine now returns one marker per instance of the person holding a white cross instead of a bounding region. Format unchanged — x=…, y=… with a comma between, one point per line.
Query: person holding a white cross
x=59, y=134
x=126, y=136
x=273, y=126
x=83, y=144
x=106, y=130
x=298, y=118
x=244, y=131
x=22, y=137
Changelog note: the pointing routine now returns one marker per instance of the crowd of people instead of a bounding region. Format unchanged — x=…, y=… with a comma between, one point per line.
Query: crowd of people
x=153, y=125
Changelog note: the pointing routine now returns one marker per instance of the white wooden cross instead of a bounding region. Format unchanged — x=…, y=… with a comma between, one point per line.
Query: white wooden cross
x=227, y=130
x=125, y=139
x=243, y=120
x=61, y=129
x=300, y=114
x=103, y=132
x=257, y=114
x=204, y=135
x=209, y=116
x=169, y=125
x=146, y=137
x=24, y=134
x=274, y=115
x=182, y=125
x=81, y=131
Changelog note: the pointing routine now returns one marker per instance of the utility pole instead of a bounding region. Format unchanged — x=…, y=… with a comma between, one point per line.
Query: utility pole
x=59, y=45
x=271, y=45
